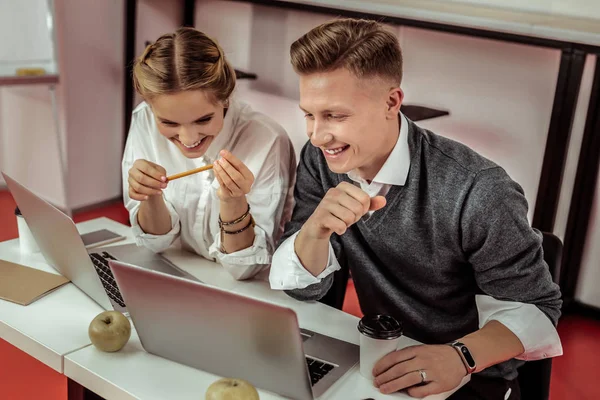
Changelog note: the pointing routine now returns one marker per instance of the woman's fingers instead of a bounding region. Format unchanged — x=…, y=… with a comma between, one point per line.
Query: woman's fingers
x=238, y=165
x=141, y=189
x=226, y=183
x=233, y=173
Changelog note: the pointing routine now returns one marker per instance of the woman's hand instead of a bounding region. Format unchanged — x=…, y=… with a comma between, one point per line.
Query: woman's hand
x=146, y=179
x=235, y=179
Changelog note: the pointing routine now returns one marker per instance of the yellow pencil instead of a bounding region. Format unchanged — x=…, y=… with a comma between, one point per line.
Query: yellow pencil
x=190, y=172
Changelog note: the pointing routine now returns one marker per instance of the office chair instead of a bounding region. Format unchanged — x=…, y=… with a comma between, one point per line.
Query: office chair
x=336, y=294
x=534, y=376
x=420, y=113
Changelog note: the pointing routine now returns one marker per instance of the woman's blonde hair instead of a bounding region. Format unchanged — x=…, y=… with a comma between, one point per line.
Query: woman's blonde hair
x=363, y=47
x=184, y=60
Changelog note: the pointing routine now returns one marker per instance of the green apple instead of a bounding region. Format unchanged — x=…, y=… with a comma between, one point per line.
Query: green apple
x=231, y=389
x=109, y=331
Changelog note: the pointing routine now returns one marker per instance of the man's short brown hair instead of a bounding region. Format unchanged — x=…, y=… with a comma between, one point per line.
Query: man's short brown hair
x=363, y=47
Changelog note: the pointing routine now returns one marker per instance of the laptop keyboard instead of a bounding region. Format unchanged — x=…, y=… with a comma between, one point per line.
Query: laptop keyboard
x=317, y=370
x=100, y=262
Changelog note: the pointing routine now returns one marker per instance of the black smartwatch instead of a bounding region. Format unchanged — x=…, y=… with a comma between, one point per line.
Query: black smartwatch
x=465, y=356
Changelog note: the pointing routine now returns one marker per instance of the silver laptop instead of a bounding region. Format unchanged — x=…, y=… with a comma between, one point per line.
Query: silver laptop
x=231, y=335
x=63, y=248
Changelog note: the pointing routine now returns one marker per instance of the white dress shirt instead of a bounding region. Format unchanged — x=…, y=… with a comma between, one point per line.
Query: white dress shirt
x=260, y=143
x=535, y=331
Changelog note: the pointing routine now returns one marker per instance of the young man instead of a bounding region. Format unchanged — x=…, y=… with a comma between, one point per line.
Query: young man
x=433, y=233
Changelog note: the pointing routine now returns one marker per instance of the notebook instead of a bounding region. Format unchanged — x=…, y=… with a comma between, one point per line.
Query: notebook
x=24, y=285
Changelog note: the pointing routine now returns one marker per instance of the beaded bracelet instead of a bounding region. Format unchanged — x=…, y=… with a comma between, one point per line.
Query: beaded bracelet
x=251, y=223
x=235, y=221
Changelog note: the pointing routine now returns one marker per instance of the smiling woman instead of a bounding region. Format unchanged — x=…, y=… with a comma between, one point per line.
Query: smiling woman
x=189, y=118
x=192, y=128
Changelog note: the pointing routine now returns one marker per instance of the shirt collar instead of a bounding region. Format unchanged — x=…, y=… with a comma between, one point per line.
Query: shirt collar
x=395, y=169
x=227, y=132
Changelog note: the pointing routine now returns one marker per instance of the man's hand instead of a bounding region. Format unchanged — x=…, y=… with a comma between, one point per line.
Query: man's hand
x=400, y=370
x=341, y=207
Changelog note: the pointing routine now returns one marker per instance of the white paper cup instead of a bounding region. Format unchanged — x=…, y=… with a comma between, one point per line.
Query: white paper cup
x=27, y=242
x=380, y=335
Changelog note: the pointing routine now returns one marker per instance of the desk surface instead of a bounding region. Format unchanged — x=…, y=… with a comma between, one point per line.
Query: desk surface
x=534, y=24
x=133, y=373
x=54, y=330
x=56, y=324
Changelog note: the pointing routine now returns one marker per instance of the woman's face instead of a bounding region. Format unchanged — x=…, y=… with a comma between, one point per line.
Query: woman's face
x=190, y=119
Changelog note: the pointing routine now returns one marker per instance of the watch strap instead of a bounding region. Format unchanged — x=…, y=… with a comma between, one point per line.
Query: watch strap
x=463, y=352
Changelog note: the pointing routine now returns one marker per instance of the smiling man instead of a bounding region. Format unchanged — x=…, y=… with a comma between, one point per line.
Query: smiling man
x=433, y=233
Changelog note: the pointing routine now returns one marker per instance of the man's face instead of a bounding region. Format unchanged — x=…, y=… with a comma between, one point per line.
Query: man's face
x=349, y=119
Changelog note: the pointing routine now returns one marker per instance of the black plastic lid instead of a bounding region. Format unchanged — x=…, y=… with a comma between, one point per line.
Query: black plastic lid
x=17, y=211
x=379, y=326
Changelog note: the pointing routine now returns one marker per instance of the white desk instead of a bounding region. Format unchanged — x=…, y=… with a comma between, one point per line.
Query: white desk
x=134, y=374
x=54, y=331
x=56, y=324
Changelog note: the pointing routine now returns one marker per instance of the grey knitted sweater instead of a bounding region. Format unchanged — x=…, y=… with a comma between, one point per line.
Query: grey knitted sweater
x=456, y=229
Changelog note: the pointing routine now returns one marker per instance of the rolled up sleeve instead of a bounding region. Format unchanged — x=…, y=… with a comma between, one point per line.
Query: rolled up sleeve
x=155, y=243
x=290, y=273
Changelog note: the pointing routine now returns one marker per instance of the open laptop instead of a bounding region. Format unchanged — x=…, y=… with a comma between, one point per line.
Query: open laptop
x=231, y=335
x=63, y=248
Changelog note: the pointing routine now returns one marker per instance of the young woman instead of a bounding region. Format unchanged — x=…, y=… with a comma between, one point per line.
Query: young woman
x=234, y=213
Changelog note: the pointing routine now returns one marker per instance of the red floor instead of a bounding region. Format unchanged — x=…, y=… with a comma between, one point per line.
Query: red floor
x=575, y=375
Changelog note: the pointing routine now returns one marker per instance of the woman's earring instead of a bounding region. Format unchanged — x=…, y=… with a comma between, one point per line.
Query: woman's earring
x=226, y=104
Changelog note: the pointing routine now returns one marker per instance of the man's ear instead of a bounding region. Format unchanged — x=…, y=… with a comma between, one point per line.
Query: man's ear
x=393, y=102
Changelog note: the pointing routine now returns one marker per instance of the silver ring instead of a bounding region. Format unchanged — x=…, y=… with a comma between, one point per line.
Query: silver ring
x=423, y=375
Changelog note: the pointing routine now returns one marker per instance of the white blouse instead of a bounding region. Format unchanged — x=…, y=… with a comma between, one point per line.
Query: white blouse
x=260, y=143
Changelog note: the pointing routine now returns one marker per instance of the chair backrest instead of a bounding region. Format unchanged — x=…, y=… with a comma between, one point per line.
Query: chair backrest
x=552, y=247
x=421, y=113
x=336, y=294
x=534, y=376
